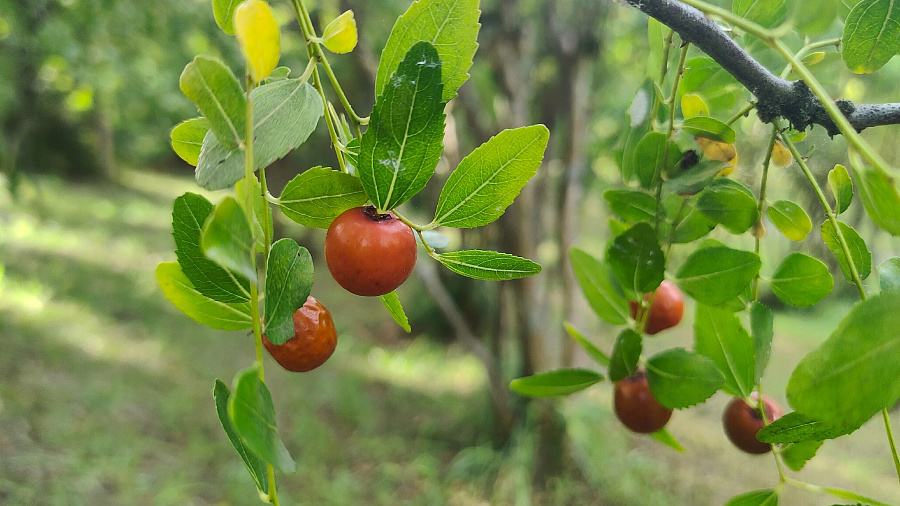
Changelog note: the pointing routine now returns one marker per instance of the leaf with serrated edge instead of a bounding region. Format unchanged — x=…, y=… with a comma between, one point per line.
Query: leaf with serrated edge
x=797, y=428
x=796, y=455
x=717, y=274
x=679, y=378
x=555, y=383
x=392, y=303
x=319, y=195
x=187, y=139
x=719, y=335
x=488, y=180
x=184, y=296
x=597, y=284
x=755, y=498
x=218, y=94
x=289, y=279
x=255, y=465
x=489, y=265
x=632, y=205
x=253, y=415
x=637, y=260
x=595, y=353
x=801, y=280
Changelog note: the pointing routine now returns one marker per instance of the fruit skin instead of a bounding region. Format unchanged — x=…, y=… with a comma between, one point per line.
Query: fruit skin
x=742, y=421
x=369, y=254
x=636, y=407
x=665, y=311
x=315, y=339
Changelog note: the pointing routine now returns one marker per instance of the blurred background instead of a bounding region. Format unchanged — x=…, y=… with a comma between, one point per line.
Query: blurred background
x=105, y=388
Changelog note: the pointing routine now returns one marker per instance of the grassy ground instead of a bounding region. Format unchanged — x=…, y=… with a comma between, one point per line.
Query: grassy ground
x=105, y=392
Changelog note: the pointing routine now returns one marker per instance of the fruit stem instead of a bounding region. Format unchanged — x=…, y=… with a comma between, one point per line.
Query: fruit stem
x=762, y=200
x=890, y=436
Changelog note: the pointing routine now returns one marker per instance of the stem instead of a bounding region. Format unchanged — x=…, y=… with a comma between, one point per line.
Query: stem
x=740, y=114
x=667, y=45
x=267, y=214
x=762, y=200
x=890, y=436
x=657, y=174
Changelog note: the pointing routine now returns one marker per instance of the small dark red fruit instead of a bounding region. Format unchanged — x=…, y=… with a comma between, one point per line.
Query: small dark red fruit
x=666, y=309
x=369, y=253
x=314, y=339
x=636, y=407
x=742, y=421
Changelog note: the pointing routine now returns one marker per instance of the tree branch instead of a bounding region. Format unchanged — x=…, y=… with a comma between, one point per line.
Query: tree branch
x=776, y=97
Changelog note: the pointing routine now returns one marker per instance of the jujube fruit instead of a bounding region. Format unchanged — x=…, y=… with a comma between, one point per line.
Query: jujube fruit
x=665, y=311
x=313, y=342
x=636, y=407
x=742, y=421
x=369, y=253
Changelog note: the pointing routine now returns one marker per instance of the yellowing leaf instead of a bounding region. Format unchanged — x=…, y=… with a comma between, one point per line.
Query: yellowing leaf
x=781, y=157
x=715, y=150
x=693, y=105
x=259, y=38
x=340, y=35
x=813, y=58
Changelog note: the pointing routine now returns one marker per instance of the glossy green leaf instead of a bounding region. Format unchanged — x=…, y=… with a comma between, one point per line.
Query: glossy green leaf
x=218, y=94
x=401, y=148
x=489, y=265
x=189, y=214
x=253, y=415
x=637, y=260
x=392, y=303
x=555, y=383
x=790, y=219
x=289, y=279
x=798, y=428
x=633, y=205
x=762, y=329
x=705, y=76
x=766, y=13
x=226, y=238
x=879, y=196
x=319, y=195
x=889, y=275
x=755, y=498
x=595, y=353
x=719, y=335
x=871, y=35
x=449, y=25
x=730, y=203
x=258, y=211
x=694, y=179
x=182, y=294
x=679, y=378
x=625, y=355
x=255, y=465
x=664, y=437
x=709, y=128
x=285, y=113
x=841, y=187
x=801, y=280
x=223, y=10
x=859, y=252
x=187, y=139
x=796, y=455
x=692, y=226
x=488, y=180
x=651, y=158
x=598, y=286
x=853, y=374
x=717, y=274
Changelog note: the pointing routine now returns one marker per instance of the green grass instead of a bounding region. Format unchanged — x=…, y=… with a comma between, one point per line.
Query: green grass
x=105, y=392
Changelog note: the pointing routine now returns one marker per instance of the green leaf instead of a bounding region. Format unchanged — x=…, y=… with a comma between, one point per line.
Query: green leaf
x=841, y=187
x=289, y=279
x=790, y=219
x=762, y=329
x=798, y=428
x=705, y=76
x=709, y=128
x=223, y=10
x=717, y=274
x=801, y=280
x=488, y=180
x=319, y=195
x=449, y=25
x=755, y=498
x=285, y=113
x=489, y=265
x=637, y=260
x=853, y=496
x=182, y=294
x=651, y=159
x=403, y=144
x=889, y=275
x=694, y=179
x=679, y=378
x=796, y=455
x=719, y=335
x=189, y=214
x=187, y=139
x=871, y=35
x=879, y=195
x=730, y=203
x=633, y=205
x=692, y=226
x=279, y=74
x=261, y=224
x=218, y=95
x=598, y=285
x=392, y=303
x=253, y=415
x=859, y=253
x=853, y=374
x=555, y=383
x=625, y=355
x=226, y=238
x=255, y=465
x=663, y=436
x=595, y=353
x=767, y=13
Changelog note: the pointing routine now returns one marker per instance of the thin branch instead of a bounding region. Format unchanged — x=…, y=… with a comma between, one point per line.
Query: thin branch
x=776, y=97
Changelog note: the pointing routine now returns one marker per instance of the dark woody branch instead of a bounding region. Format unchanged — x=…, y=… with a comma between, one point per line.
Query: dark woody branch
x=776, y=97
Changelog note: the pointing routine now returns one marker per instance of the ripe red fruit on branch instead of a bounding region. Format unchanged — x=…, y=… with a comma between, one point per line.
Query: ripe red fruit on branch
x=314, y=339
x=369, y=253
x=666, y=309
x=636, y=407
x=742, y=421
